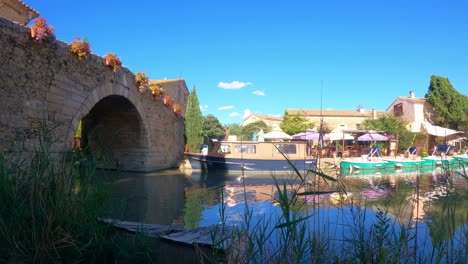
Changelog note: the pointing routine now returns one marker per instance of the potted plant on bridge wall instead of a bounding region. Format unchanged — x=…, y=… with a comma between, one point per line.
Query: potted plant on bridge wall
x=177, y=109
x=112, y=61
x=168, y=101
x=156, y=90
x=42, y=32
x=80, y=47
x=141, y=81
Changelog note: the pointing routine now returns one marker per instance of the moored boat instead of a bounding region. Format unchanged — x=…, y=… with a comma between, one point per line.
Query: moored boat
x=362, y=163
x=253, y=156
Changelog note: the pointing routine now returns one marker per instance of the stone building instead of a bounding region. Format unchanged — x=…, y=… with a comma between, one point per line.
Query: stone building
x=17, y=11
x=351, y=119
x=271, y=120
x=413, y=110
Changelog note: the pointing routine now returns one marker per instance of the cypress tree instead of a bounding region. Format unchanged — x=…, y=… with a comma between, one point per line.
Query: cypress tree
x=194, y=122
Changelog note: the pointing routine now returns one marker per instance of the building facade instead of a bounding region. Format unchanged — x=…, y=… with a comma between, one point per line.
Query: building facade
x=332, y=119
x=412, y=110
x=271, y=120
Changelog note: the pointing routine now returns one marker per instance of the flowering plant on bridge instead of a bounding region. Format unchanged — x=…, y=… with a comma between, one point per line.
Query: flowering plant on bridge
x=113, y=61
x=80, y=47
x=177, y=109
x=141, y=81
x=42, y=32
x=156, y=90
x=168, y=101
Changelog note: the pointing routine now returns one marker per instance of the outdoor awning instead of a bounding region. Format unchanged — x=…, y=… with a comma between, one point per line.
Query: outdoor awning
x=438, y=131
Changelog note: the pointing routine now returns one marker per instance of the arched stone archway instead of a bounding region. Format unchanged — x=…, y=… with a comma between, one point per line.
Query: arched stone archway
x=46, y=79
x=114, y=130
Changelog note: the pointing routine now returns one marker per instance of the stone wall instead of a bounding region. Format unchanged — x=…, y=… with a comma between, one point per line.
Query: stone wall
x=46, y=82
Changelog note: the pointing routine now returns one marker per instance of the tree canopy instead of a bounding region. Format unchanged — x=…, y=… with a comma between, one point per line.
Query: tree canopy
x=213, y=128
x=255, y=127
x=234, y=129
x=246, y=132
x=391, y=125
x=451, y=107
x=293, y=124
x=194, y=123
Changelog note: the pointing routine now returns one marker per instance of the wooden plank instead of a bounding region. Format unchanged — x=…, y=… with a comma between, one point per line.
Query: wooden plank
x=149, y=229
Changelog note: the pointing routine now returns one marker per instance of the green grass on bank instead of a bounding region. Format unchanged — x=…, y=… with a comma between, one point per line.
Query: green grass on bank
x=50, y=206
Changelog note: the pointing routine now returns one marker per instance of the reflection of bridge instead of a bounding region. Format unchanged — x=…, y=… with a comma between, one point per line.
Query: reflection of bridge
x=46, y=79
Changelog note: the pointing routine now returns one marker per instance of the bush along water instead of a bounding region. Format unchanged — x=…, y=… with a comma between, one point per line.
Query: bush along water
x=299, y=230
x=51, y=208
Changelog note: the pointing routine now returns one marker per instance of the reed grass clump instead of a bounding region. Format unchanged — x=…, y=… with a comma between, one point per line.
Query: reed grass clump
x=50, y=210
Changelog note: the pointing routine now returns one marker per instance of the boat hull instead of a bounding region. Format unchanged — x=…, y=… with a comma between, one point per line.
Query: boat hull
x=207, y=162
x=363, y=164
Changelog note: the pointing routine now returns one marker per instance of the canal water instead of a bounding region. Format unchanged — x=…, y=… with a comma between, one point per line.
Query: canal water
x=198, y=199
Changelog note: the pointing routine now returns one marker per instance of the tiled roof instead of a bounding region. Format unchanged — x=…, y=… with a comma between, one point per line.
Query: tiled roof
x=335, y=113
x=28, y=7
x=409, y=99
x=165, y=81
x=266, y=117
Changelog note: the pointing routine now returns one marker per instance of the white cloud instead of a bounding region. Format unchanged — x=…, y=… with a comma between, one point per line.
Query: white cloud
x=233, y=85
x=234, y=114
x=203, y=107
x=227, y=107
x=247, y=112
x=259, y=93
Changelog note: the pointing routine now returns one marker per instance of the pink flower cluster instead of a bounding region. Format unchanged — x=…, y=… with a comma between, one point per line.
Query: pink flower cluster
x=41, y=31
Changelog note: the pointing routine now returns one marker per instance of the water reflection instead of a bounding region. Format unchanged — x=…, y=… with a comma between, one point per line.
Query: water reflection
x=434, y=205
x=173, y=196
x=157, y=197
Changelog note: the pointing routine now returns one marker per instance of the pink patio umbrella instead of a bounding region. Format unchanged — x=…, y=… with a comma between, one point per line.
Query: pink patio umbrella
x=309, y=134
x=372, y=136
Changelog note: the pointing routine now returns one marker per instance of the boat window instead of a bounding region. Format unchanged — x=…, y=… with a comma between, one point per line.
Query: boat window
x=287, y=148
x=249, y=149
x=224, y=149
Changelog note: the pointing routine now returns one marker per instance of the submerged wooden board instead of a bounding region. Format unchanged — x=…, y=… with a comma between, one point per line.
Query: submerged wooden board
x=149, y=229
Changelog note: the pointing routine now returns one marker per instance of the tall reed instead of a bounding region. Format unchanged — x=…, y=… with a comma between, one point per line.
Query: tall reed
x=301, y=232
x=51, y=205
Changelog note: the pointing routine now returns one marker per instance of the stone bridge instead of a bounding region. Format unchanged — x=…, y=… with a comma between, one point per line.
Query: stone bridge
x=46, y=82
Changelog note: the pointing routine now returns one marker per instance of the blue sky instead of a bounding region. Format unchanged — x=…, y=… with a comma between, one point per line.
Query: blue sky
x=267, y=56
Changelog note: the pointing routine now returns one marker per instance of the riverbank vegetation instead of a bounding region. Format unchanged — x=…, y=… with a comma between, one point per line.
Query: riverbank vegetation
x=50, y=210
x=391, y=230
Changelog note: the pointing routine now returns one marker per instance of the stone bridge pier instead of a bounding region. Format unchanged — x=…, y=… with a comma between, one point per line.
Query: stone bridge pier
x=45, y=81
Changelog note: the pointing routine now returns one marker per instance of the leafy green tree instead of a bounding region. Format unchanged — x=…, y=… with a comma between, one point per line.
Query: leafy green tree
x=391, y=125
x=250, y=129
x=194, y=123
x=451, y=107
x=213, y=128
x=234, y=129
x=293, y=124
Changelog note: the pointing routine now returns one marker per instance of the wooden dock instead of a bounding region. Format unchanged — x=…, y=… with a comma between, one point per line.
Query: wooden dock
x=179, y=245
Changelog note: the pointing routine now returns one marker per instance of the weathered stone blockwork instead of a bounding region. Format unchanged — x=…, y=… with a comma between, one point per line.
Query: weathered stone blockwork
x=40, y=80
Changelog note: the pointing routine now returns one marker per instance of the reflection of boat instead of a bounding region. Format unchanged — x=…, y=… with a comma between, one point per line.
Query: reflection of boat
x=337, y=198
x=438, y=161
x=252, y=156
x=462, y=158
